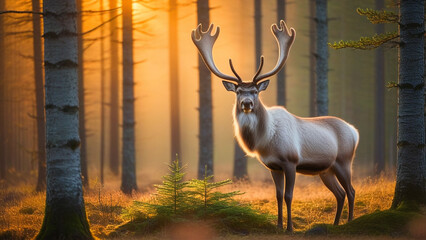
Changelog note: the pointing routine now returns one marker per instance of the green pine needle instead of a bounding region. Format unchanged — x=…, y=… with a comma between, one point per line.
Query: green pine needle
x=378, y=16
x=366, y=43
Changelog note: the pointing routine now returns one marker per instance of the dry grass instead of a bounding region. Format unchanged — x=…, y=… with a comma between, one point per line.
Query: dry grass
x=21, y=209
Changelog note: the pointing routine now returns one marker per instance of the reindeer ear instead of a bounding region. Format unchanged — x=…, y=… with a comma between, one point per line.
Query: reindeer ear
x=229, y=86
x=263, y=85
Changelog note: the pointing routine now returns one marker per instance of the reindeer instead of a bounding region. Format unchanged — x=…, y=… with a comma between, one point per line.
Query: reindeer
x=282, y=142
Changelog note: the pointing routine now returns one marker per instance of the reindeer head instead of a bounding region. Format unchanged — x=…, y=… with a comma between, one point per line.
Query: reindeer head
x=247, y=92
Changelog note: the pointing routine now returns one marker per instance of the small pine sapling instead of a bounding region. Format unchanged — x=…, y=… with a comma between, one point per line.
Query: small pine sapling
x=203, y=192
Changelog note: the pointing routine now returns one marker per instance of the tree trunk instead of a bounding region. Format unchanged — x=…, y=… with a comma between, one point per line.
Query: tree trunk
x=281, y=77
x=321, y=57
x=102, y=143
x=2, y=98
x=258, y=30
x=205, y=114
x=411, y=167
x=240, y=163
x=174, y=82
x=82, y=122
x=128, y=173
x=114, y=88
x=39, y=95
x=312, y=51
x=379, y=111
x=65, y=214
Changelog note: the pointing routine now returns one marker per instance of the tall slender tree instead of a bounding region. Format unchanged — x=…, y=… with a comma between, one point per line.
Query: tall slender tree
x=379, y=111
x=2, y=98
x=39, y=94
x=281, y=77
x=128, y=172
x=312, y=53
x=102, y=84
x=174, y=82
x=205, y=115
x=65, y=214
x=411, y=166
x=82, y=122
x=321, y=68
x=113, y=95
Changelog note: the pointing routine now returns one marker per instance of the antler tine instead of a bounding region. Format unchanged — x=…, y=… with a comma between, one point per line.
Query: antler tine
x=204, y=41
x=285, y=41
x=258, y=69
x=233, y=70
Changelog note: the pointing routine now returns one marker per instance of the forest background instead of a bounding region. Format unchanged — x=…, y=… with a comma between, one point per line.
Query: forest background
x=351, y=82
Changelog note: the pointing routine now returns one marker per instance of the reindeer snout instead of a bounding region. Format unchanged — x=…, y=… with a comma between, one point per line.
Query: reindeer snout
x=247, y=106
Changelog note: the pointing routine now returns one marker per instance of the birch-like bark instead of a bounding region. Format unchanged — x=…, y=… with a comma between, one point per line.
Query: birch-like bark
x=82, y=122
x=65, y=215
x=379, y=111
x=205, y=113
x=128, y=172
x=281, y=75
x=321, y=69
x=114, y=89
x=411, y=166
x=174, y=81
x=39, y=94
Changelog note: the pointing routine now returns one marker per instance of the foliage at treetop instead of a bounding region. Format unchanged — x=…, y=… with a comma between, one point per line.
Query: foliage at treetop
x=177, y=200
x=368, y=43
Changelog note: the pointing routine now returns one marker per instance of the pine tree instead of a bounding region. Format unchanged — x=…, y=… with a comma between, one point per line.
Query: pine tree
x=203, y=192
x=172, y=198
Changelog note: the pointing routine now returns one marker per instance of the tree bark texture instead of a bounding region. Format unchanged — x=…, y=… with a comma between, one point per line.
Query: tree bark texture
x=312, y=64
x=281, y=75
x=39, y=95
x=379, y=112
x=128, y=172
x=174, y=82
x=321, y=69
x=114, y=89
x=205, y=114
x=411, y=166
x=82, y=122
x=65, y=215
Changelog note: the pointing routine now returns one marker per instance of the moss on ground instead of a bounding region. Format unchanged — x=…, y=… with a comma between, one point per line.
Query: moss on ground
x=391, y=222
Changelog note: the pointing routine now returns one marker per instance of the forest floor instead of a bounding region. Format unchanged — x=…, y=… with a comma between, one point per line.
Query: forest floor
x=22, y=210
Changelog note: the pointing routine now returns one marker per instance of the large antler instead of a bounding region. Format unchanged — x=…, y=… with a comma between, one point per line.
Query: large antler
x=204, y=42
x=284, y=40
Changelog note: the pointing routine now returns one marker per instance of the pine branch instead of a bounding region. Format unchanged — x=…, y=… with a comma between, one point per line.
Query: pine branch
x=366, y=43
x=378, y=16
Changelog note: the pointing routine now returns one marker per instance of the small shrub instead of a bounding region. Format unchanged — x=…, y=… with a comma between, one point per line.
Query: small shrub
x=178, y=201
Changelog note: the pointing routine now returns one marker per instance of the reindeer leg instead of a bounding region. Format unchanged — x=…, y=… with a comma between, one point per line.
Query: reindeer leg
x=344, y=175
x=330, y=181
x=278, y=177
x=290, y=178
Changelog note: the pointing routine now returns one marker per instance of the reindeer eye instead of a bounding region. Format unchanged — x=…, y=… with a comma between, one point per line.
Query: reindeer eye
x=238, y=91
x=253, y=92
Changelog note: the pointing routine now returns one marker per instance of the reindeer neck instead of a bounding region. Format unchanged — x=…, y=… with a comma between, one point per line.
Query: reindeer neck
x=252, y=126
